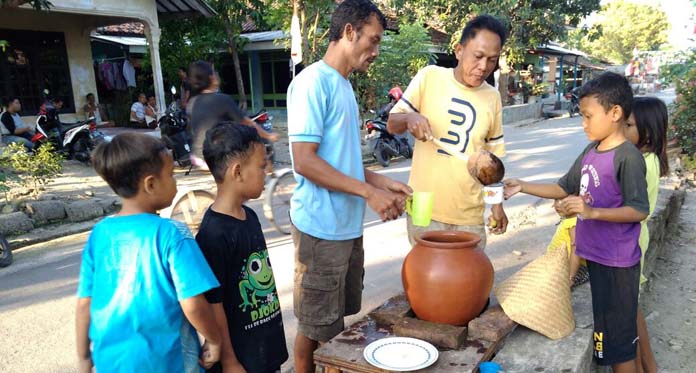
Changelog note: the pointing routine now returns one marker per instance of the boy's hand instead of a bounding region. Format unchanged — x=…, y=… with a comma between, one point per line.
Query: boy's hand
x=85, y=365
x=560, y=210
x=233, y=368
x=575, y=205
x=210, y=354
x=512, y=187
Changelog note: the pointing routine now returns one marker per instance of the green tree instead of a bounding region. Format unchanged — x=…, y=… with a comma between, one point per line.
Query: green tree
x=623, y=27
x=401, y=55
x=683, y=110
x=530, y=22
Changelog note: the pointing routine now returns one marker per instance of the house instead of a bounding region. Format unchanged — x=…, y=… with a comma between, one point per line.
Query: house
x=51, y=50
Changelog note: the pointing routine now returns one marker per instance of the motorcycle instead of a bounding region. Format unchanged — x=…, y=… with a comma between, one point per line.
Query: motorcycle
x=76, y=140
x=174, y=133
x=574, y=97
x=5, y=252
x=263, y=119
x=385, y=145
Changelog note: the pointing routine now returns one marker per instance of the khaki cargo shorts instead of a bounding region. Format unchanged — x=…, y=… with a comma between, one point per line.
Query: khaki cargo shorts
x=414, y=230
x=328, y=283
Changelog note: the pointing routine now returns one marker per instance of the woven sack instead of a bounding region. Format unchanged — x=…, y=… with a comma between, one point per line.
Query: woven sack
x=538, y=296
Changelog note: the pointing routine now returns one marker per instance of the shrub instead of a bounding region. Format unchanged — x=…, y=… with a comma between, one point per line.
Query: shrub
x=31, y=170
x=683, y=110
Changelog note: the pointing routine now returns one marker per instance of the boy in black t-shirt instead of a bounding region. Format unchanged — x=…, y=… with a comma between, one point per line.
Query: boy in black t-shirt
x=246, y=304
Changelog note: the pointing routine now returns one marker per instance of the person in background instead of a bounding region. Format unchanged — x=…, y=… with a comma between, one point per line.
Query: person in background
x=151, y=112
x=93, y=109
x=184, y=87
x=12, y=129
x=137, y=115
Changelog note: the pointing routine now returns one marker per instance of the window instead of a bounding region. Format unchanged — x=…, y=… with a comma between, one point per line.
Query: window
x=35, y=61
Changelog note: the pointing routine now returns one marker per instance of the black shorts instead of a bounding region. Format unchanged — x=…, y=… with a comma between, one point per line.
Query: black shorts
x=614, y=307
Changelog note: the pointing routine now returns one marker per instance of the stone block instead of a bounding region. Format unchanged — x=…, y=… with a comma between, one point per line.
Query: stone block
x=43, y=212
x=493, y=325
x=84, y=210
x=109, y=205
x=15, y=223
x=442, y=335
x=392, y=310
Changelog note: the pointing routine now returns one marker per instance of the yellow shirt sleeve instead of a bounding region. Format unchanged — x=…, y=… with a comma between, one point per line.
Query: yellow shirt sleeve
x=411, y=99
x=495, y=142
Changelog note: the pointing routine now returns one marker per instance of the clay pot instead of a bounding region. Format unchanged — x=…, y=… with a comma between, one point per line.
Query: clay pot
x=447, y=278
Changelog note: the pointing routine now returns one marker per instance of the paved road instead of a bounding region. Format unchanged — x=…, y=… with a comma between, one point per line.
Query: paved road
x=37, y=292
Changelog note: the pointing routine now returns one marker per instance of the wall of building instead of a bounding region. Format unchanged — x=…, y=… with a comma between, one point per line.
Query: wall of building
x=77, y=19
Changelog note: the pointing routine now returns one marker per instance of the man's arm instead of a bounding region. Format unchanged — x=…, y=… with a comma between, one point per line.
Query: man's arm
x=273, y=137
x=415, y=123
x=308, y=164
x=8, y=122
x=82, y=318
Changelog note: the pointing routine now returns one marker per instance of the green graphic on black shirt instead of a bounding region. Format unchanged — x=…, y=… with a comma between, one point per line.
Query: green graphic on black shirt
x=257, y=288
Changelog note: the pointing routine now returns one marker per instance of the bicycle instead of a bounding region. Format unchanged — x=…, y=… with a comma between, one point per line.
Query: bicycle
x=189, y=205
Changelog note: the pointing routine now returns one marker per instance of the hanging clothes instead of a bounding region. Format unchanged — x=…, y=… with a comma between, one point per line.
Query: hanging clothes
x=120, y=82
x=107, y=73
x=129, y=73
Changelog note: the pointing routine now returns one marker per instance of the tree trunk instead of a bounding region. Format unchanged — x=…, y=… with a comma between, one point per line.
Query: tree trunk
x=232, y=44
x=301, y=13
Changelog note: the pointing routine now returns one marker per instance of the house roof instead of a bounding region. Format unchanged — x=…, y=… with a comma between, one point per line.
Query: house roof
x=185, y=6
x=135, y=29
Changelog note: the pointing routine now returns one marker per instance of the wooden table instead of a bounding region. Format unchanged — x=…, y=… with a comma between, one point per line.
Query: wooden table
x=344, y=353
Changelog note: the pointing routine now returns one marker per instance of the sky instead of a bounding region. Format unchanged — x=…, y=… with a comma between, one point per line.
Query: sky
x=681, y=15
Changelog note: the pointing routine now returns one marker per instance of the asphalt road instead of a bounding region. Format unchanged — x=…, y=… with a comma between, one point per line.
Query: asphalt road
x=37, y=292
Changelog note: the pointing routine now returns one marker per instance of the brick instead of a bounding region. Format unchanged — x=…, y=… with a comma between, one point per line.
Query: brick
x=392, y=311
x=84, y=210
x=15, y=223
x=43, y=212
x=443, y=335
x=493, y=325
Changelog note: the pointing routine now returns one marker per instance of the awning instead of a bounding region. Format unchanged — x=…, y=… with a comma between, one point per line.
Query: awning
x=184, y=6
x=134, y=44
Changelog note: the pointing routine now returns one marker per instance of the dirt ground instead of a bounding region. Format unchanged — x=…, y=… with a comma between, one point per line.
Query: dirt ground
x=669, y=299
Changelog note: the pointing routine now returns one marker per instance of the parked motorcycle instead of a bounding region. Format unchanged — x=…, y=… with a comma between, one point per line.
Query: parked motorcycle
x=263, y=119
x=385, y=145
x=574, y=97
x=5, y=252
x=174, y=133
x=75, y=140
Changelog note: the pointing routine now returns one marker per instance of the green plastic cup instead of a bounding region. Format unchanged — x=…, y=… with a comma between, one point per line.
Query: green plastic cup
x=420, y=207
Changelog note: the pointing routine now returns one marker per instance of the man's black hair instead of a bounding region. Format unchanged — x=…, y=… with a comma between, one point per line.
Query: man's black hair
x=56, y=100
x=483, y=22
x=89, y=94
x=184, y=69
x=126, y=159
x=610, y=89
x=10, y=100
x=355, y=12
x=225, y=142
x=200, y=73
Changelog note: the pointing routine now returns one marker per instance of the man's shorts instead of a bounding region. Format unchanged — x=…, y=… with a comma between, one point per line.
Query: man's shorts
x=614, y=307
x=414, y=230
x=328, y=283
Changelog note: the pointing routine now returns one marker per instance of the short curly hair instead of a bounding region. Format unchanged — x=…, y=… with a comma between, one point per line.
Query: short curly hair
x=354, y=12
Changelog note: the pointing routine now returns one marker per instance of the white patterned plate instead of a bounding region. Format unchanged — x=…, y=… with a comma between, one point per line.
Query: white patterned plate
x=400, y=354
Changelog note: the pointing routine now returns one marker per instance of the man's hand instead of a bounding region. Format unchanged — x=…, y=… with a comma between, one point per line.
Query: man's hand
x=419, y=127
x=210, y=354
x=498, y=221
x=574, y=205
x=388, y=205
x=512, y=187
x=273, y=137
x=85, y=365
x=560, y=209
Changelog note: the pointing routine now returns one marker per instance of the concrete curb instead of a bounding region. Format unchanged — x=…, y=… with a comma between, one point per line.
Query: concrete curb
x=49, y=233
x=528, y=351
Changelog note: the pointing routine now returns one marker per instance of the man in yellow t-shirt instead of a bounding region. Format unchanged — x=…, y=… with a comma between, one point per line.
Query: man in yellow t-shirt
x=464, y=112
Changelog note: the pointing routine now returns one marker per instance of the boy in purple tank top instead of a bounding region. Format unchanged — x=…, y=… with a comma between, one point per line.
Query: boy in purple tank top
x=606, y=188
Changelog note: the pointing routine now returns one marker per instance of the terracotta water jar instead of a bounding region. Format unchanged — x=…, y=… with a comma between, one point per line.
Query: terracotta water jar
x=447, y=277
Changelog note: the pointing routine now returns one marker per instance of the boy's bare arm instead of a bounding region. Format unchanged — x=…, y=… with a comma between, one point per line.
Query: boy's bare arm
x=625, y=214
x=200, y=315
x=82, y=317
x=228, y=358
x=547, y=190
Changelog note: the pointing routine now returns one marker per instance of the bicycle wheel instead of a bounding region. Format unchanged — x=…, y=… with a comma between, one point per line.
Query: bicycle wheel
x=277, y=203
x=190, y=208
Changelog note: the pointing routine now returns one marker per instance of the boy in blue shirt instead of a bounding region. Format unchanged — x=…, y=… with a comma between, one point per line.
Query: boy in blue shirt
x=246, y=304
x=606, y=189
x=142, y=278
